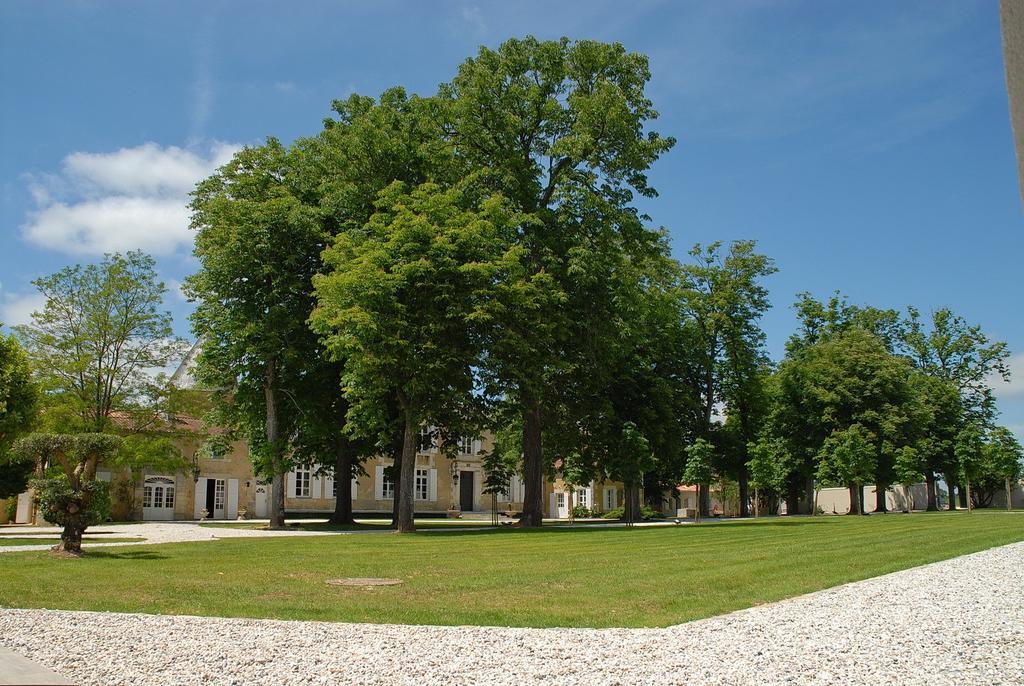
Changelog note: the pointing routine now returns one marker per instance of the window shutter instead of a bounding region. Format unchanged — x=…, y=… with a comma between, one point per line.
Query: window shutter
x=291, y=484
x=200, y=500
x=432, y=485
x=378, y=483
x=232, y=511
x=355, y=488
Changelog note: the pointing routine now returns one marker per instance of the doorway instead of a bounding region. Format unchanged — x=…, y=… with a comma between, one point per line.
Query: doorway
x=466, y=491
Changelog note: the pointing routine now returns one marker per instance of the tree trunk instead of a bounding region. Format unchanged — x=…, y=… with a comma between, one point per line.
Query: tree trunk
x=792, y=498
x=704, y=499
x=75, y=523
x=274, y=443
x=396, y=468
x=407, y=477
x=343, y=483
x=1009, y=494
x=533, y=468
x=880, y=504
x=860, y=498
x=854, y=499
x=964, y=497
x=756, y=504
x=701, y=490
x=967, y=483
x=908, y=499
x=951, y=488
x=933, y=502
x=744, y=491
x=810, y=495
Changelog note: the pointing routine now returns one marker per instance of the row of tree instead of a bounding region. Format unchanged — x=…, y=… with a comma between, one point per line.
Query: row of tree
x=870, y=396
x=474, y=259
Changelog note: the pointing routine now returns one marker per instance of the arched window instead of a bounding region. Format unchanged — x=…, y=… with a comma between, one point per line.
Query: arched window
x=158, y=491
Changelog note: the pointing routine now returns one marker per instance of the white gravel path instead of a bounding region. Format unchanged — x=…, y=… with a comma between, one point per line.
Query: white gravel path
x=955, y=622
x=149, y=533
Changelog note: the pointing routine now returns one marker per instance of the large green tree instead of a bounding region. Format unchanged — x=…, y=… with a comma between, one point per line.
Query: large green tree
x=258, y=247
x=99, y=341
x=846, y=379
x=559, y=128
x=400, y=305
x=19, y=404
x=19, y=393
x=724, y=298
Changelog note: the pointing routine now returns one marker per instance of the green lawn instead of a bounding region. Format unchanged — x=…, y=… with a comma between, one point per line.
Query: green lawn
x=553, y=577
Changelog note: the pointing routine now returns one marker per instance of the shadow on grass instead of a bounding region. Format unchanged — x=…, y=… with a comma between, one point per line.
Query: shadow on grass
x=126, y=555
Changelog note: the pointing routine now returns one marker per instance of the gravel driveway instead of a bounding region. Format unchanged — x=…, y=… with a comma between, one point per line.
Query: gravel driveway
x=149, y=533
x=955, y=622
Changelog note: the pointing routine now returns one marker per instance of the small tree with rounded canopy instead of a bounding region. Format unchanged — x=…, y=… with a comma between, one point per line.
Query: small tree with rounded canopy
x=74, y=499
x=849, y=456
x=768, y=467
x=909, y=468
x=969, y=451
x=698, y=467
x=1004, y=456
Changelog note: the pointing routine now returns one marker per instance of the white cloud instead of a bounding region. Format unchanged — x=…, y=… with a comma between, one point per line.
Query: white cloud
x=17, y=309
x=1015, y=386
x=474, y=19
x=134, y=198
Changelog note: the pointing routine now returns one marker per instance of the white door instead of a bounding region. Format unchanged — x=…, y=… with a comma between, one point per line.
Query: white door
x=562, y=502
x=262, y=501
x=200, y=501
x=220, y=498
x=158, y=498
x=232, y=512
x=24, y=510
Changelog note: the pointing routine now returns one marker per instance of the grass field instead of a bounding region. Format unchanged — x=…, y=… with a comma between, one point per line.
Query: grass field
x=554, y=577
x=53, y=540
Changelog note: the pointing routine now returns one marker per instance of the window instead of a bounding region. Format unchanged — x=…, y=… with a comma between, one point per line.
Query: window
x=583, y=497
x=388, y=487
x=427, y=440
x=422, y=491
x=303, y=476
x=466, y=445
x=609, y=499
x=561, y=500
x=218, y=495
x=158, y=491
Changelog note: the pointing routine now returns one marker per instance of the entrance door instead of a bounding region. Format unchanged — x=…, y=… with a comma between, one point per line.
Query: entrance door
x=262, y=501
x=158, y=498
x=466, y=491
x=563, y=504
x=216, y=498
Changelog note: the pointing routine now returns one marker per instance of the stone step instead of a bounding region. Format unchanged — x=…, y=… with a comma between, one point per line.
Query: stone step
x=16, y=670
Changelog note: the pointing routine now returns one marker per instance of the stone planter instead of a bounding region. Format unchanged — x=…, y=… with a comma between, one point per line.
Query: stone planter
x=454, y=513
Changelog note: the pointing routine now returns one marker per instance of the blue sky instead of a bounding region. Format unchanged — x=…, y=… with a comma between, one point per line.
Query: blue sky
x=866, y=146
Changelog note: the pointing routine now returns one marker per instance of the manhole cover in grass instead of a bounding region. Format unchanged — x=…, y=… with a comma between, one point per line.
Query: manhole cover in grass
x=363, y=582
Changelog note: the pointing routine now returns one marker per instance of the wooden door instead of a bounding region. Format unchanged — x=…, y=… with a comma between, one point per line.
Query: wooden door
x=466, y=488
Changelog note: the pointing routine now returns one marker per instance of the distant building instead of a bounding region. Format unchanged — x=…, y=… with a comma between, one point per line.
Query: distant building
x=1011, y=15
